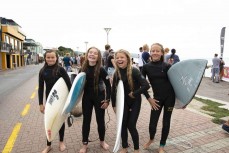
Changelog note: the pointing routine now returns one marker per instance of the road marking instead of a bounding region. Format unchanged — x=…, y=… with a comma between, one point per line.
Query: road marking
x=26, y=109
x=33, y=95
x=36, y=87
x=10, y=143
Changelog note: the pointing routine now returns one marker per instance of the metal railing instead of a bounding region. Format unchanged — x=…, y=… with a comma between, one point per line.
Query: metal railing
x=5, y=47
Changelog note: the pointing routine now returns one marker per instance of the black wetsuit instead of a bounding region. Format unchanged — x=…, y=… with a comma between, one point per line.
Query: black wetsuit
x=132, y=106
x=92, y=98
x=46, y=76
x=164, y=93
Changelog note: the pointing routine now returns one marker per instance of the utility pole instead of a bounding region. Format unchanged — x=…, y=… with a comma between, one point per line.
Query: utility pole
x=107, y=31
x=86, y=45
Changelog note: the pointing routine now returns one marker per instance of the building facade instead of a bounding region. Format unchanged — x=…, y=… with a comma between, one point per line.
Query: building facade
x=11, y=44
x=33, y=51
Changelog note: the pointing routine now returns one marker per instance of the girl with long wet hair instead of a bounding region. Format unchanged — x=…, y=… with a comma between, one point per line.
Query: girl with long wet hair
x=134, y=85
x=96, y=77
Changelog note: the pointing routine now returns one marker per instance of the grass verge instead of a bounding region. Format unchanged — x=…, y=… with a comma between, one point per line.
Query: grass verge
x=213, y=108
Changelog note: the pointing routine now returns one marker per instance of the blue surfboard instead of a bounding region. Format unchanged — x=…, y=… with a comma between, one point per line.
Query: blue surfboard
x=75, y=93
x=185, y=77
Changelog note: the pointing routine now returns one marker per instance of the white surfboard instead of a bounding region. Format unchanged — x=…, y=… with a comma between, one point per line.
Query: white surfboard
x=53, y=108
x=75, y=94
x=119, y=114
x=185, y=77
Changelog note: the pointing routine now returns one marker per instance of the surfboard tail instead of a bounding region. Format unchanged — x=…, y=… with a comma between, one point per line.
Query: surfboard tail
x=49, y=135
x=117, y=146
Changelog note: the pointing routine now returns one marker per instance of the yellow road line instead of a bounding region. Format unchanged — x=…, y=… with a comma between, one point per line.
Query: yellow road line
x=33, y=95
x=26, y=109
x=36, y=87
x=10, y=143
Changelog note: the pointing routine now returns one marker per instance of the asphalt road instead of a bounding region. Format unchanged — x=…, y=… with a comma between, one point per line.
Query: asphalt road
x=213, y=90
x=11, y=79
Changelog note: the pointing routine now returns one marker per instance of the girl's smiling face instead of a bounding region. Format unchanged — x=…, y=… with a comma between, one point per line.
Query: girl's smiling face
x=156, y=52
x=121, y=60
x=93, y=55
x=50, y=58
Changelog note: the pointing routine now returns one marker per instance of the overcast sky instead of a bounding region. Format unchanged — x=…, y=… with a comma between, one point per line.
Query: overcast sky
x=192, y=27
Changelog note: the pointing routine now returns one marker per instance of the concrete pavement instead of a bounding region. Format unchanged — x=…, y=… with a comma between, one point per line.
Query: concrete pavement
x=22, y=128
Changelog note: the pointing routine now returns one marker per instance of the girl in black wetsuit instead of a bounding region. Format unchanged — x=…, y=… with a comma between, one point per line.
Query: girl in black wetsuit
x=94, y=96
x=134, y=85
x=49, y=74
x=164, y=95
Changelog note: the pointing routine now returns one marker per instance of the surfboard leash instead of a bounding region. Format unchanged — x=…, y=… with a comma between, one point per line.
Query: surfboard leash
x=106, y=126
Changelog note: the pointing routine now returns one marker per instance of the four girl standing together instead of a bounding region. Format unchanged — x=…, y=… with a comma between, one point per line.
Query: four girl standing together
x=135, y=84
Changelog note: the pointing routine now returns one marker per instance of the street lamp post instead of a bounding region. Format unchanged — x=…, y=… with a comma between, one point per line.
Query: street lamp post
x=86, y=45
x=107, y=31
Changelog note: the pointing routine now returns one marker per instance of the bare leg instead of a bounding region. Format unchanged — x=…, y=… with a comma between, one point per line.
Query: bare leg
x=146, y=146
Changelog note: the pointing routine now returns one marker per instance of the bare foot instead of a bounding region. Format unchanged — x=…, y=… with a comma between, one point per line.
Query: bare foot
x=47, y=149
x=124, y=150
x=161, y=150
x=136, y=151
x=146, y=146
x=83, y=149
x=62, y=146
x=104, y=145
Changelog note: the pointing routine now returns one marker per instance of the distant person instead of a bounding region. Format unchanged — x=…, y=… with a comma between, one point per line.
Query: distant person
x=172, y=58
x=67, y=62
x=163, y=94
x=82, y=59
x=221, y=68
x=94, y=96
x=48, y=75
x=166, y=54
x=105, y=56
x=111, y=65
x=140, y=62
x=215, y=68
x=134, y=84
x=145, y=54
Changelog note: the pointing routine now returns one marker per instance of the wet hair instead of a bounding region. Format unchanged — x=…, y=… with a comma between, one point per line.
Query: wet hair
x=97, y=67
x=129, y=68
x=56, y=65
x=162, y=50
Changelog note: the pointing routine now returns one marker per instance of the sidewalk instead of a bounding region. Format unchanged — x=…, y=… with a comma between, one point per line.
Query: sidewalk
x=190, y=132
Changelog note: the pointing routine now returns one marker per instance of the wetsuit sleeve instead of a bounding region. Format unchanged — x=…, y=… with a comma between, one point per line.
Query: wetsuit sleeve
x=144, y=85
x=66, y=78
x=41, y=88
x=144, y=75
x=105, y=79
x=113, y=91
